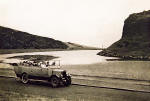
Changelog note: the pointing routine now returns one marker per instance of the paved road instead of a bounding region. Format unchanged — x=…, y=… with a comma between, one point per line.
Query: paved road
x=12, y=90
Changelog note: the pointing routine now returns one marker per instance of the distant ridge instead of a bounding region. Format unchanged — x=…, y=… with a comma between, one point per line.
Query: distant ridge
x=14, y=39
x=78, y=46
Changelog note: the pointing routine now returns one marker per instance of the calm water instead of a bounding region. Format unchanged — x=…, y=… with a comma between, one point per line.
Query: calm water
x=66, y=57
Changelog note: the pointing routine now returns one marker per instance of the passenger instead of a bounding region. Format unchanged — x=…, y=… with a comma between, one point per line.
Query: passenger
x=43, y=66
x=24, y=62
x=44, y=62
x=47, y=64
x=35, y=63
x=39, y=64
x=53, y=64
x=30, y=63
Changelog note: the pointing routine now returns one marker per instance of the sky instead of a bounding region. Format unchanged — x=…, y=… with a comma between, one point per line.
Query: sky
x=96, y=23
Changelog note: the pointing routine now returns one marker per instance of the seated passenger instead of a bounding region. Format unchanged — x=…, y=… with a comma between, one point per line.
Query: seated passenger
x=43, y=66
x=53, y=63
x=47, y=64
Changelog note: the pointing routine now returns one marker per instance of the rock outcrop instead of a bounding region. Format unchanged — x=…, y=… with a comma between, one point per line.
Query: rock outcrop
x=135, y=41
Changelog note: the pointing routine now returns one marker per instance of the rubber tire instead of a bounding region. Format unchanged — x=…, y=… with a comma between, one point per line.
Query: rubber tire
x=55, y=81
x=24, y=78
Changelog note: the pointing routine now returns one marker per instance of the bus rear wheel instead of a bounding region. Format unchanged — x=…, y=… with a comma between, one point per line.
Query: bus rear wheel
x=24, y=78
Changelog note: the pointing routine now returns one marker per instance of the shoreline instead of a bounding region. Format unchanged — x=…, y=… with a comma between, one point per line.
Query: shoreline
x=108, y=53
x=11, y=51
x=34, y=57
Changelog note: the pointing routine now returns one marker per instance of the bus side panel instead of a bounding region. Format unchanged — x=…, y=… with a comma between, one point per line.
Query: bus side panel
x=18, y=70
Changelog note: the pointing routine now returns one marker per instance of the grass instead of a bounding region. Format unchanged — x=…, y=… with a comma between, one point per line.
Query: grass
x=139, y=70
x=12, y=90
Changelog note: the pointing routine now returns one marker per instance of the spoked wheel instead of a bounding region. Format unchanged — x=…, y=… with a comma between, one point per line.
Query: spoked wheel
x=24, y=78
x=55, y=81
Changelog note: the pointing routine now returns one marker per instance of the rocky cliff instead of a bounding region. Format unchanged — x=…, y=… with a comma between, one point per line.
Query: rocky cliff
x=135, y=41
x=14, y=39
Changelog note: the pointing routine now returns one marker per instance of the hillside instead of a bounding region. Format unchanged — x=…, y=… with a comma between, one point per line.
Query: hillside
x=73, y=46
x=14, y=39
x=135, y=41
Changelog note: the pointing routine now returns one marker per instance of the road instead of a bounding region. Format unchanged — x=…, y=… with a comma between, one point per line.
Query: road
x=13, y=90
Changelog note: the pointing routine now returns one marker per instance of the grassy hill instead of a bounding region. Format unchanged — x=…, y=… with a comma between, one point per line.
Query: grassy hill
x=14, y=39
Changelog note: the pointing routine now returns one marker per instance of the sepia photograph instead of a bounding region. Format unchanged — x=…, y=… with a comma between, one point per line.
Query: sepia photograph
x=74, y=50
